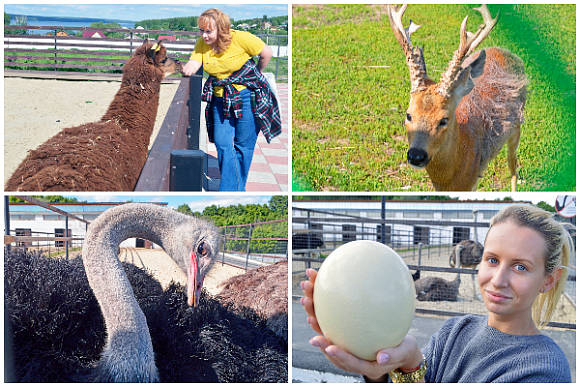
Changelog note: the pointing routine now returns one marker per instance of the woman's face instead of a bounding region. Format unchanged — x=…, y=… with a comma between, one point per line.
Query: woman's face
x=511, y=273
x=210, y=34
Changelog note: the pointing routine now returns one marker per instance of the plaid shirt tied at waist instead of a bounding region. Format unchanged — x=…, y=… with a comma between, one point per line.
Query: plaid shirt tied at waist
x=264, y=103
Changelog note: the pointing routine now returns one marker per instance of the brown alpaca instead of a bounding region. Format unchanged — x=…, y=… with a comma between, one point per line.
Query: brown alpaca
x=106, y=155
x=265, y=290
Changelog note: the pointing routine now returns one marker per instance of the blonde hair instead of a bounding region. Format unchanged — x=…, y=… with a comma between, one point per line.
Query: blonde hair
x=222, y=23
x=559, y=249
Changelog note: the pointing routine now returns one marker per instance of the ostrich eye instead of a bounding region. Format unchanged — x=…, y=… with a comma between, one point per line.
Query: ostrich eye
x=409, y=118
x=203, y=248
x=444, y=122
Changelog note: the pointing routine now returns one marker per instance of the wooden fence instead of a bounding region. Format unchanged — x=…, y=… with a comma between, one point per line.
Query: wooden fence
x=107, y=54
x=63, y=53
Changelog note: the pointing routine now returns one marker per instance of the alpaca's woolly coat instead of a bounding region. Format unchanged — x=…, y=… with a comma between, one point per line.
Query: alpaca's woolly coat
x=107, y=155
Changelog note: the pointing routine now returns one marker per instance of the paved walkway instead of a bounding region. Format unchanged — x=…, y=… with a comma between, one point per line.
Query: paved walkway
x=269, y=170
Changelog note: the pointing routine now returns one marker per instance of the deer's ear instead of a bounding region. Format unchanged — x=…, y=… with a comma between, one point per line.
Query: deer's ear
x=464, y=83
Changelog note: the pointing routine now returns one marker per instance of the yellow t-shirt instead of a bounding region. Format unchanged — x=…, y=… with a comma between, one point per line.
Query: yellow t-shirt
x=242, y=47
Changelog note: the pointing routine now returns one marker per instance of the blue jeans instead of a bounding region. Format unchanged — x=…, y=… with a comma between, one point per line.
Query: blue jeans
x=235, y=140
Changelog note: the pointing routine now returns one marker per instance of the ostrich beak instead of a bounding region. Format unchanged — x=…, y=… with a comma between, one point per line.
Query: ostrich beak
x=195, y=282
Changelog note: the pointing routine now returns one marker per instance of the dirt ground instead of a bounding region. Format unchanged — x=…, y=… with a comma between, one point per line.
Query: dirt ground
x=165, y=270
x=37, y=109
x=466, y=302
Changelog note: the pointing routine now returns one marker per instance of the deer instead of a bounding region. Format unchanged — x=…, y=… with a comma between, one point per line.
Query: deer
x=456, y=127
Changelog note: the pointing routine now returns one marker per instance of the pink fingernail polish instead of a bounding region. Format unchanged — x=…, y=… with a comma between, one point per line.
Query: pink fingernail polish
x=383, y=358
x=314, y=343
x=302, y=285
x=330, y=352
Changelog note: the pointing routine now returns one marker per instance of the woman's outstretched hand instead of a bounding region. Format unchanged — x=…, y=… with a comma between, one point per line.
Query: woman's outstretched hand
x=190, y=67
x=405, y=355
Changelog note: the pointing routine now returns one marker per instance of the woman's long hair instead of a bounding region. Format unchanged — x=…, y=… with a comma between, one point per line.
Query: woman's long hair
x=222, y=23
x=559, y=250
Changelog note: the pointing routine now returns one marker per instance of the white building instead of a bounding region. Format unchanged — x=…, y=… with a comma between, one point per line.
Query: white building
x=407, y=222
x=28, y=219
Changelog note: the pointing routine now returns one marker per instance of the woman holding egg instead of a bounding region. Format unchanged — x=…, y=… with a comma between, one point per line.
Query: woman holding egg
x=521, y=278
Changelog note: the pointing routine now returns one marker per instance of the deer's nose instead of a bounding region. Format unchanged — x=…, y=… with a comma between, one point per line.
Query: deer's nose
x=418, y=158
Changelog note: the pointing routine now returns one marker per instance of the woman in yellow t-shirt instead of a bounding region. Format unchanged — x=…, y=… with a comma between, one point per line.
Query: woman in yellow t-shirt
x=240, y=102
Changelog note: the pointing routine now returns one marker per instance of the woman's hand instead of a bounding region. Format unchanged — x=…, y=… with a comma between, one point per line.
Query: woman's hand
x=190, y=67
x=405, y=355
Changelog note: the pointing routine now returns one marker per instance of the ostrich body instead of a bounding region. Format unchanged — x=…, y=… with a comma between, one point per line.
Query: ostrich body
x=264, y=290
x=435, y=288
x=470, y=254
x=192, y=243
x=59, y=331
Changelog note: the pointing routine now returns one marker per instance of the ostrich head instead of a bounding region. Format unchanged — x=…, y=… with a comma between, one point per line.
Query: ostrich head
x=194, y=246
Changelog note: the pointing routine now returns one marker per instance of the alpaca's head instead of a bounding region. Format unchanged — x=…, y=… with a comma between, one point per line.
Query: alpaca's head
x=151, y=60
x=157, y=55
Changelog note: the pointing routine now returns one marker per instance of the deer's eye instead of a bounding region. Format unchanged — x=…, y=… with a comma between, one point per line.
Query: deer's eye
x=409, y=118
x=444, y=122
x=203, y=248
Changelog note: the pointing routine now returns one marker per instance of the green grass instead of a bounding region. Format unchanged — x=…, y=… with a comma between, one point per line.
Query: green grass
x=350, y=91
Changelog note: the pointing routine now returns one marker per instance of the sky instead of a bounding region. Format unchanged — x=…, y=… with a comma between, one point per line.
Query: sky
x=142, y=11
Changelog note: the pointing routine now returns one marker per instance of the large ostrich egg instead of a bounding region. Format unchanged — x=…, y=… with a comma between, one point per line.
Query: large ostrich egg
x=364, y=298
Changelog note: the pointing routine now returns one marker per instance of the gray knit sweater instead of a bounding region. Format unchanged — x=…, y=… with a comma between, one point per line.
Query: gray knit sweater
x=466, y=349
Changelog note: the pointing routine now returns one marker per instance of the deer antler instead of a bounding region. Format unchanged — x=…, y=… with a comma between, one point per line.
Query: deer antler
x=413, y=55
x=467, y=44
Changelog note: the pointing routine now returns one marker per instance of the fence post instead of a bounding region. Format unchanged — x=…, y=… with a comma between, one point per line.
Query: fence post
x=249, y=240
x=7, y=219
x=225, y=244
x=420, y=247
x=278, y=56
x=66, y=234
x=55, y=45
x=188, y=168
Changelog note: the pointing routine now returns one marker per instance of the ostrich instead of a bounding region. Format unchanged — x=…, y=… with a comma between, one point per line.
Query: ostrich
x=264, y=290
x=437, y=289
x=134, y=352
x=470, y=254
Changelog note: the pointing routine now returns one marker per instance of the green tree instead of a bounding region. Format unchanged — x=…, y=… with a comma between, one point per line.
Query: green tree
x=7, y=22
x=184, y=209
x=279, y=205
x=545, y=206
x=48, y=199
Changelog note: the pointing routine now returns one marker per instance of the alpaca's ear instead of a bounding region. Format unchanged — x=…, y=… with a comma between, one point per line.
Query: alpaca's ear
x=154, y=49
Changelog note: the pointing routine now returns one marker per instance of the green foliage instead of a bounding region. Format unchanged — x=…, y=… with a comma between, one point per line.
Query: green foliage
x=350, y=91
x=100, y=24
x=185, y=209
x=277, y=208
x=6, y=23
x=48, y=199
x=187, y=23
x=546, y=207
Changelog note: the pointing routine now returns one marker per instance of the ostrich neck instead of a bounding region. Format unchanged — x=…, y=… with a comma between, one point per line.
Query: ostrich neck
x=128, y=339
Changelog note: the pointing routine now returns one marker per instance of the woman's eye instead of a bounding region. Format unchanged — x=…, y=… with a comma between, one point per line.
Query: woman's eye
x=521, y=267
x=492, y=260
x=444, y=122
x=409, y=118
